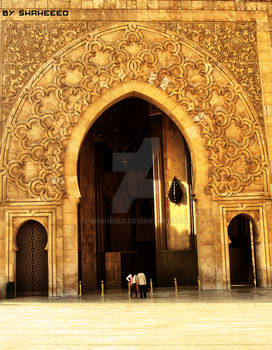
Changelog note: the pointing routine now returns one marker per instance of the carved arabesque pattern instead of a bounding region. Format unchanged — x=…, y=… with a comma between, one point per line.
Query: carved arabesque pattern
x=234, y=45
x=83, y=73
x=27, y=46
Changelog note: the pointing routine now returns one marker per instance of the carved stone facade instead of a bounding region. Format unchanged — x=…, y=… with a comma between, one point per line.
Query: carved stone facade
x=209, y=77
x=54, y=101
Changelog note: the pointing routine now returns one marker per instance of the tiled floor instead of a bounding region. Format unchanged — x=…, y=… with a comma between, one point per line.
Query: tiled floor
x=190, y=320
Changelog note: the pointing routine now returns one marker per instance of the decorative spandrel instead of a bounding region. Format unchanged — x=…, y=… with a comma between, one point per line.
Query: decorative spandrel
x=234, y=45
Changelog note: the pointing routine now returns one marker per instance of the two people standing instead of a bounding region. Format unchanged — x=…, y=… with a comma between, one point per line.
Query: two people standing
x=135, y=281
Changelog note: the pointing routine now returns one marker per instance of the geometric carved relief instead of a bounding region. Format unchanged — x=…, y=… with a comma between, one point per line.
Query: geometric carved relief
x=234, y=45
x=38, y=132
x=27, y=47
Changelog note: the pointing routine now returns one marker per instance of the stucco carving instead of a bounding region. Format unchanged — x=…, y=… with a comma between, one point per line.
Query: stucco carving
x=39, y=129
x=27, y=46
x=234, y=45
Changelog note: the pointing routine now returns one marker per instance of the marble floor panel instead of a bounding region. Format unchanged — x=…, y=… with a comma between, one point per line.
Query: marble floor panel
x=190, y=320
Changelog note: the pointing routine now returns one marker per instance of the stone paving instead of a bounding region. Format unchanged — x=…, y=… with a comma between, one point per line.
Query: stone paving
x=190, y=320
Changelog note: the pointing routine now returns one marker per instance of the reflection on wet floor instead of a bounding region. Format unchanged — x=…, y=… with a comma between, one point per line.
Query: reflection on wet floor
x=162, y=295
x=237, y=319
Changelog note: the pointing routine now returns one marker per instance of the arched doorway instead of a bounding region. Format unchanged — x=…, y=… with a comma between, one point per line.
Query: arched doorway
x=242, y=252
x=127, y=223
x=31, y=260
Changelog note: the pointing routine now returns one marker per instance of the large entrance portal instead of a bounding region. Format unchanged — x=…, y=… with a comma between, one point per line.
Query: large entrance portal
x=242, y=251
x=31, y=260
x=132, y=164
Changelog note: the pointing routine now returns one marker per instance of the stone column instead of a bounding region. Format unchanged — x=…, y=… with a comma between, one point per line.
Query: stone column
x=206, y=249
x=100, y=215
x=158, y=182
x=70, y=246
x=3, y=279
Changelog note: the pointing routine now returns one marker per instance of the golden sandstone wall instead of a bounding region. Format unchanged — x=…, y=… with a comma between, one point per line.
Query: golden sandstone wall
x=206, y=64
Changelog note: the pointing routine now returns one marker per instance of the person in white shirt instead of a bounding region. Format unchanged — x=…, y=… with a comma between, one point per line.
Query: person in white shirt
x=133, y=280
x=142, y=284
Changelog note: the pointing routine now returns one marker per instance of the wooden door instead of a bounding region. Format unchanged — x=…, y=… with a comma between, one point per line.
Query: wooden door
x=31, y=260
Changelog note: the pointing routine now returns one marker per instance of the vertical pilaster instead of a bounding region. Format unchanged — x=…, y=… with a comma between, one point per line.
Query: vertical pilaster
x=158, y=181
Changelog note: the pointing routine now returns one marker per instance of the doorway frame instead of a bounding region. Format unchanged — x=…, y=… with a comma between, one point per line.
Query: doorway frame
x=14, y=220
x=17, y=250
x=257, y=215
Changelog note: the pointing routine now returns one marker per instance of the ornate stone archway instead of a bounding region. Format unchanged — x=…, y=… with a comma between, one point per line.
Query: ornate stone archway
x=46, y=127
x=76, y=77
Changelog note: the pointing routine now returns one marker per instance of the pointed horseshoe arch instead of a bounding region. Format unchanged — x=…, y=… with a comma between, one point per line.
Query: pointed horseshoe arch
x=155, y=97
